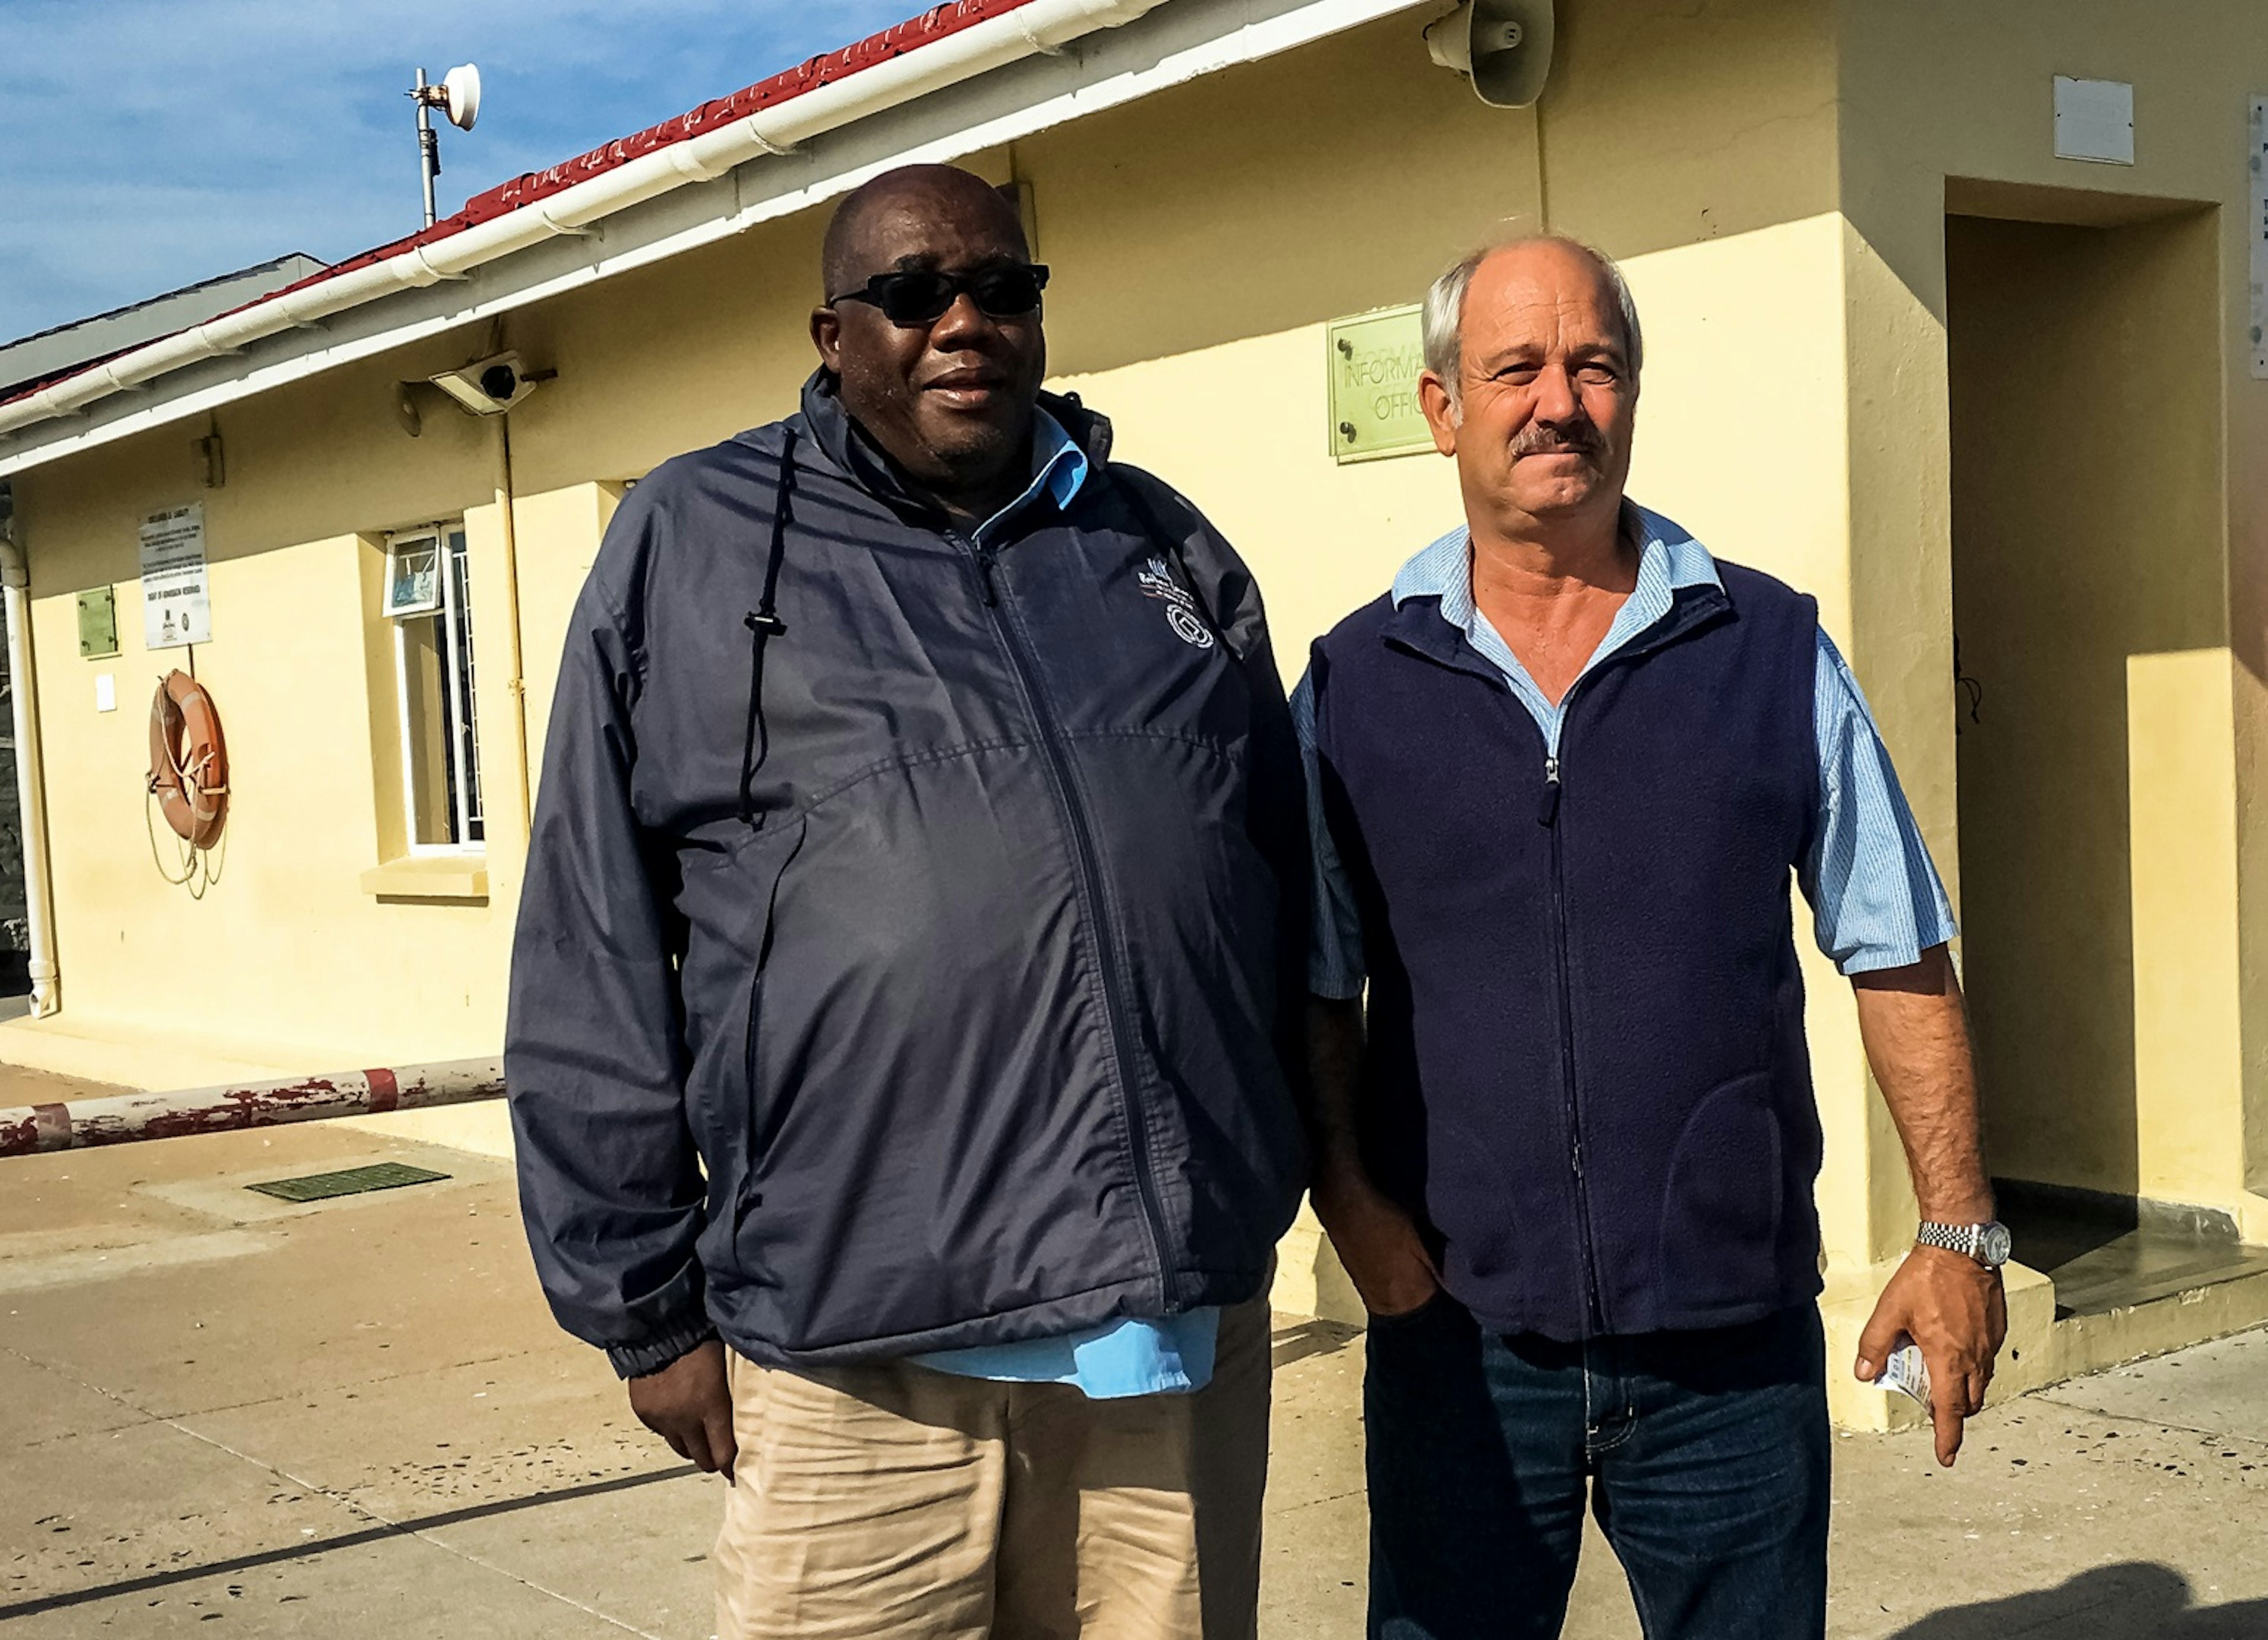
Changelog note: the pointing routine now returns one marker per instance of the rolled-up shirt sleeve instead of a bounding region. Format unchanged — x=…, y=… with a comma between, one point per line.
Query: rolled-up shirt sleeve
x=1335, y=967
x=1876, y=899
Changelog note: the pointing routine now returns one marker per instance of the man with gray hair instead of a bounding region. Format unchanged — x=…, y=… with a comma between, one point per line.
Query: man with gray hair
x=1561, y=776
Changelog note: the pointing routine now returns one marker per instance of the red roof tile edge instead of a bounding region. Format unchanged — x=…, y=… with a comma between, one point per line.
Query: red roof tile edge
x=939, y=22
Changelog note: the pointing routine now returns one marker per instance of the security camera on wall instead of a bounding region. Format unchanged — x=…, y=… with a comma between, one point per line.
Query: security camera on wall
x=491, y=386
x=1504, y=46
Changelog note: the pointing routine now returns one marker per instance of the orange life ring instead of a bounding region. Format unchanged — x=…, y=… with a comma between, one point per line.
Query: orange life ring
x=188, y=762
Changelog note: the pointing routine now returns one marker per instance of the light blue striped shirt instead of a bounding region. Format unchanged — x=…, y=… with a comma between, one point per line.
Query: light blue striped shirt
x=1876, y=900
x=1131, y=1357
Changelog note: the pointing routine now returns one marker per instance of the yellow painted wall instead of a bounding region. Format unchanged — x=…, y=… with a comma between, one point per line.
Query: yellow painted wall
x=2188, y=1024
x=2087, y=556
x=559, y=532
x=283, y=959
x=1945, y=104
x=1343, y=177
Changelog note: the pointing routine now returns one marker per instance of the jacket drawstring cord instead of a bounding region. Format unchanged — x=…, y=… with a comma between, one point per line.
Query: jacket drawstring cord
x=763, y=624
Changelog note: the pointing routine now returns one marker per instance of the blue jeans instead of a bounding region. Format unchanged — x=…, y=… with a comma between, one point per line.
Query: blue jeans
x=1704, y=1455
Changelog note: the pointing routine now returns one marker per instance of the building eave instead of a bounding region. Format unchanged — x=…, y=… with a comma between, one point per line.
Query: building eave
x=550, y=248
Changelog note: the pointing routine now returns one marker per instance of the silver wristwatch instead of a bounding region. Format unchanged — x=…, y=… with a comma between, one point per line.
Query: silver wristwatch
x=1988, y=1243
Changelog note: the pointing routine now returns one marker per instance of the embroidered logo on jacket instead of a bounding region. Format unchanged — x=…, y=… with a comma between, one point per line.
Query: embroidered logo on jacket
x=1157, y=581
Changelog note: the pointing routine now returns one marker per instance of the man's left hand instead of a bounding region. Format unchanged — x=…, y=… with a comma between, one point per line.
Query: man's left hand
x=1956, y=1311
x=688, y=1403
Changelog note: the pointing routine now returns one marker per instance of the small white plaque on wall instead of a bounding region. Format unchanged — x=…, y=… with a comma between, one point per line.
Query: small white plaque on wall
x=2256, y=231
x=2094, y=120
x=106, y=692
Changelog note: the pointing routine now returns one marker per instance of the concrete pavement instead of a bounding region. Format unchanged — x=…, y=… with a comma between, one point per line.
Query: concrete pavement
x=354, y=1418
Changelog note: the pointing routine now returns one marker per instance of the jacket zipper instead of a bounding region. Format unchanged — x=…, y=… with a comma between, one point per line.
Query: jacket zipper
x=1090, y=874
x=1549, y=815
x=749, y=1198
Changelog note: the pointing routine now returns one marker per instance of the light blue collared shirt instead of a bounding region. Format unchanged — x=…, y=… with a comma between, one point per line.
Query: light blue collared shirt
x=1130, y=1356
x=1875, y=896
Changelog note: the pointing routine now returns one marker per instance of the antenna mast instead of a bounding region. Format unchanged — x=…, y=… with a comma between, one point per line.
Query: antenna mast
x=458, y=97
x=429, y=144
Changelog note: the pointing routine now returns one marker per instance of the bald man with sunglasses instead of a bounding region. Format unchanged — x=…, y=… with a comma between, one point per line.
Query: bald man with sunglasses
x=906, y=1003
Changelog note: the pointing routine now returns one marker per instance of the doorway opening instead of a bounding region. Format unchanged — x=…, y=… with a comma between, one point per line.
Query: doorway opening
x=2090, y=600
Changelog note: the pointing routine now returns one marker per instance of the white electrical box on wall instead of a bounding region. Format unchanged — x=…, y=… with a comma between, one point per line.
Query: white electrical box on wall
x=2094, y=120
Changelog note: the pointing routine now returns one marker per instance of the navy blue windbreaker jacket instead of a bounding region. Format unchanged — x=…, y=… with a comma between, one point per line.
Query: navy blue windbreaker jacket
x=909, y=953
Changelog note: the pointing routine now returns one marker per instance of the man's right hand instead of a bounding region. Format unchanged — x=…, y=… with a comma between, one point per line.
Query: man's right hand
x=1377, y=1241
x=688, y=1404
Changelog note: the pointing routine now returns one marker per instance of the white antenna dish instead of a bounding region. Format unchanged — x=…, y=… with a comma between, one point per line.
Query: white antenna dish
x=460, y=95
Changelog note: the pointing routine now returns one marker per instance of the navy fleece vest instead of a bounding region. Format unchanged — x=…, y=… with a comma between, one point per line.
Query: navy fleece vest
x=1586, y=1069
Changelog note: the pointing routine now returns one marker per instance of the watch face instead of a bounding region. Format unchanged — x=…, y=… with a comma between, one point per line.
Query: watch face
x=1997, y=1245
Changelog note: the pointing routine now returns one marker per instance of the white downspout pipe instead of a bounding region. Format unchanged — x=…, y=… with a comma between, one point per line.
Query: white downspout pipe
x=31, y=790
x=517, y=682
x=1037, y=28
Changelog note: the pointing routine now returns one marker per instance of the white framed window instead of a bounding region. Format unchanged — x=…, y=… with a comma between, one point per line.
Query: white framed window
x=428, y=600
x=413, y=576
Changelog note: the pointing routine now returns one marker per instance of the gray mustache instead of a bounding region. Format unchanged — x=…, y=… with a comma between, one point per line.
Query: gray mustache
x=1582, y=437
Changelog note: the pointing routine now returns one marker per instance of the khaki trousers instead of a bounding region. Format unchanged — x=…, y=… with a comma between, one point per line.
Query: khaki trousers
x=893, y=1500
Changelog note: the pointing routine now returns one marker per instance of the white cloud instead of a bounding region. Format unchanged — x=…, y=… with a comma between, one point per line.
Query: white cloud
x=150, y=144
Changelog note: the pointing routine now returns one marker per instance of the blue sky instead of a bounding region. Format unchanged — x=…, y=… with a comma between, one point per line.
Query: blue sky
x=150, y=144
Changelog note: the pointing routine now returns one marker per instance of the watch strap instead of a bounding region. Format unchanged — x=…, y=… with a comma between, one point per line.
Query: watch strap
x=1973, y=1241
x=1962, y=1239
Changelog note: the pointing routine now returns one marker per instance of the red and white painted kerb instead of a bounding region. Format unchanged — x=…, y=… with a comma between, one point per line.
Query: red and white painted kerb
x=129, y=1118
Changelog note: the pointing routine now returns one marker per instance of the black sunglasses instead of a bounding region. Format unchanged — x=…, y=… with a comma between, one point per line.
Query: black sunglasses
x=923, y=297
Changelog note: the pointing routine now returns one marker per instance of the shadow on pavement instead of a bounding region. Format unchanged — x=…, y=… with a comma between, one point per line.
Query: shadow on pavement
x=2135, y=1600
x=378, y=1529
x=1302, y=1339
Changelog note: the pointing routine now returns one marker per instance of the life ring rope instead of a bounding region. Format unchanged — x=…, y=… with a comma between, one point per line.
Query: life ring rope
x=189, y=759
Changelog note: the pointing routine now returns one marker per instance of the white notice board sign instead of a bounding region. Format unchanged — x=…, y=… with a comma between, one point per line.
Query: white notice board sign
x=2256, y=229
x=176, y=606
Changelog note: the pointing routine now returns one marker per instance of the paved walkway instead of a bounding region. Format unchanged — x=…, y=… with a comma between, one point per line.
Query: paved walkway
x=20, y=1086
x=221, y=1413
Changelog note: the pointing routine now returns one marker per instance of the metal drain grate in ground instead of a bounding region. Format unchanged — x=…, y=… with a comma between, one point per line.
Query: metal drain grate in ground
x=347, y=1182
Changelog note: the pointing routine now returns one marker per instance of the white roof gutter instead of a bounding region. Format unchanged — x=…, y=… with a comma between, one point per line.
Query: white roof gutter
x=1043, y=27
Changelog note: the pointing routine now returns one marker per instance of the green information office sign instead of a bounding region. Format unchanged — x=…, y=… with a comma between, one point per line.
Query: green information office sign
x=98, y=623
x=1373, y=359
